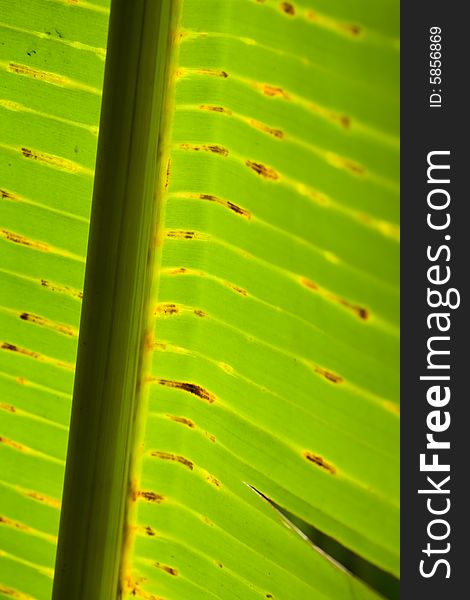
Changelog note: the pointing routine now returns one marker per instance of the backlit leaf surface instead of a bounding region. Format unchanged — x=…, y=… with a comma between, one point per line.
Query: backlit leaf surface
x=274, y=356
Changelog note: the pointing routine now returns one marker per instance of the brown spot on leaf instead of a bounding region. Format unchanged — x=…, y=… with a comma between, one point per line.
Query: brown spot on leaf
x=320, y=461
x=213, y=73
x=214, y=148
x=192, y=388
x=213, y=480
x=49, y=159
x=13, y=348
x=151, y=496
x=12, y=444
x=149, y=531
x=182, y=72
x=23, y=527
x=273, y=91
x=35, y=74
x=8, y=195
x=352, y=29
x=288, y=8
x=277, y=133
x=218, y=150
x=345, y=121
x=183, y=420
x=220, y=565
x=329, y=375
x=181, y=235
x=262, y=170
x=166, y=568
x=219, y=109
x=16, y=238
x=15, y=524
x=173, y=457
x=309, y=283
x=25, y=352
x=354, y=167
x=200, y=313
x=132, y=584
x=167, y=309
x=167, y=174
x=7, y=407
x=15, y=594
x=230, y=205
x=238, y=209
x=211, y=437
x=178, y=271
x=237, y=289
x=41, y=321
x=43, y=499
x=53, y=287
x=360, y=311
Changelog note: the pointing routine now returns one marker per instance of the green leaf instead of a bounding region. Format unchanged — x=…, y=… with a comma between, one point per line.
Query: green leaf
x=277, y=304
x=239, y=346
x=51, y=70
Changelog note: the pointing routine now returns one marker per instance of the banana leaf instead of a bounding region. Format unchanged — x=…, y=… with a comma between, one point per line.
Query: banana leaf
x=237, y=373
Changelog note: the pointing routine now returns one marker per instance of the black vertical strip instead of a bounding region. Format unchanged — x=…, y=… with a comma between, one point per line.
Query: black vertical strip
x=425, y=129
